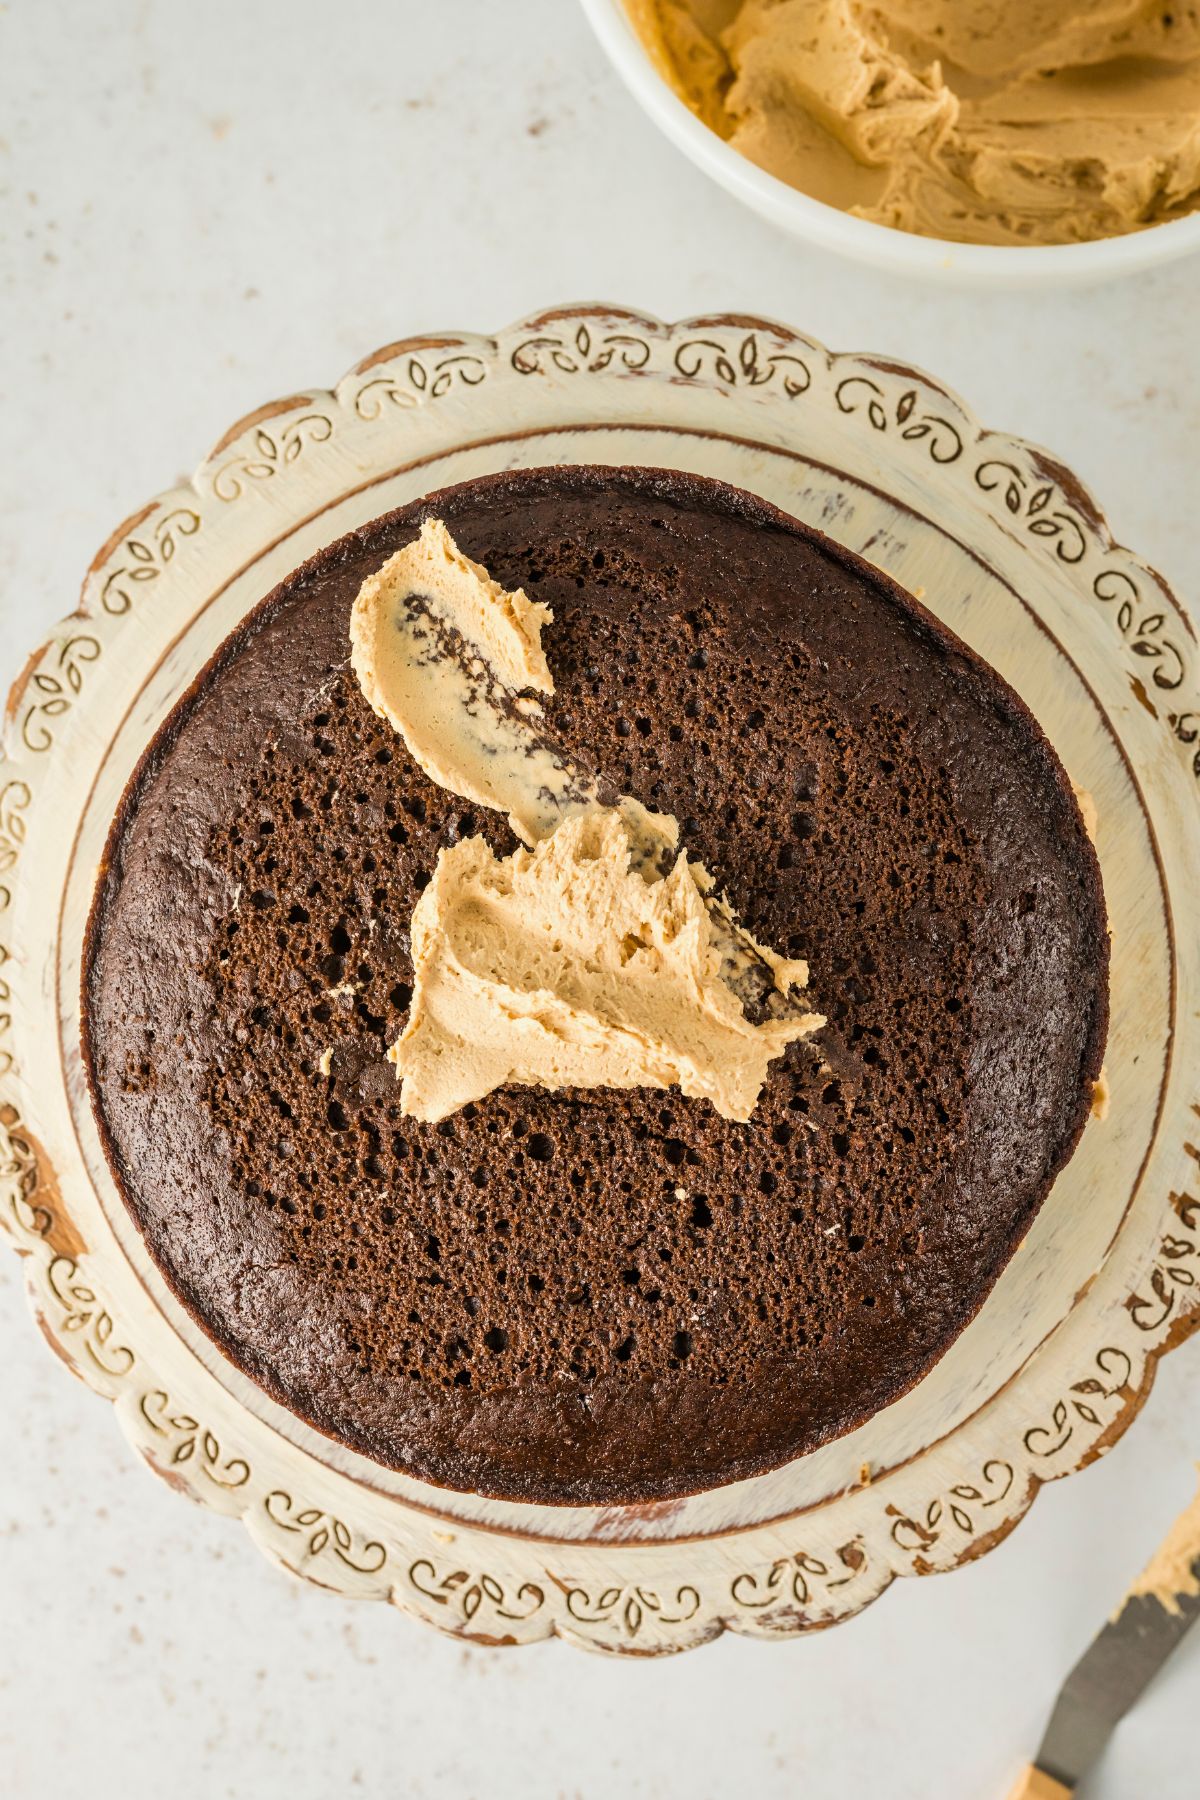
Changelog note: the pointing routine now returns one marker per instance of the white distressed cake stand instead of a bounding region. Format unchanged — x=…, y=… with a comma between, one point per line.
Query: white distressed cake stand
x=1007, y=548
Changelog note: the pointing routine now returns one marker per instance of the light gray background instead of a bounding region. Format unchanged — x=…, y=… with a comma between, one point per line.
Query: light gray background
x=206, y=206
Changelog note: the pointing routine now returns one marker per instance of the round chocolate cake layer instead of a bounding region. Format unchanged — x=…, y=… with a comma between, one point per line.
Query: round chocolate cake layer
x=600, y=1296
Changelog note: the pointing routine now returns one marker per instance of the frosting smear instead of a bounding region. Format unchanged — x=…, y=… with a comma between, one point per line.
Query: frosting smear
x=455, y=663
x=600, y=956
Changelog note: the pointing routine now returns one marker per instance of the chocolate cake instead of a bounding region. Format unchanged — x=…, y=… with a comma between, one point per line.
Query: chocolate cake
x=600, y=1296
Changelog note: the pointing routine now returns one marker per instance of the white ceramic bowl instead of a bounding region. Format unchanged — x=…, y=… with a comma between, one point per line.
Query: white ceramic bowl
x=898, y=252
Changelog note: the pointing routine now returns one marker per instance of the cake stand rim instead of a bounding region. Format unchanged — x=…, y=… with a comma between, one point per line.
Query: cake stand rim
x=570, y=333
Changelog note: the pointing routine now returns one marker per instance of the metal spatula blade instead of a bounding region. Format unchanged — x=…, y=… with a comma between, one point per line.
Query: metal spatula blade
x=1118, y=1666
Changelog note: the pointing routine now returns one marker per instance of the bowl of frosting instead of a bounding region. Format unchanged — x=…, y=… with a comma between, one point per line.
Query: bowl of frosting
x=1025, y=142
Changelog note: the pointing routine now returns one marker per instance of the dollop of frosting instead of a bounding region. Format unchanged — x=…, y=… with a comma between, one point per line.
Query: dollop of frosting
x=600, y=956
x=564, y=966
x=1036, y=121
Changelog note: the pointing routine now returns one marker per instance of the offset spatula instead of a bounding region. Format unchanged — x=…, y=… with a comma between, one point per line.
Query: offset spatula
x=1159, y=1609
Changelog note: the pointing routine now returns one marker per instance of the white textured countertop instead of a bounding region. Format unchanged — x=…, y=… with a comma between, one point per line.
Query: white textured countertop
x=202, y=208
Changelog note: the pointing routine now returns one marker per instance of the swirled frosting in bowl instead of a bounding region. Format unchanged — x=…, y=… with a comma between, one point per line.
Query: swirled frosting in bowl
x=1034, y=122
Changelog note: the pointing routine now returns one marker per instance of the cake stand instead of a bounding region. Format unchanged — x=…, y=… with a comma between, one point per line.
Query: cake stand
x=1004, y=545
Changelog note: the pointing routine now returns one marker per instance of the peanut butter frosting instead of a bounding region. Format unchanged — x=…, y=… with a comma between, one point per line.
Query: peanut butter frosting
x=562, y=966
x=601, y=956
x=1036, y=122
x=1172, y=1571
x=455, y=664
